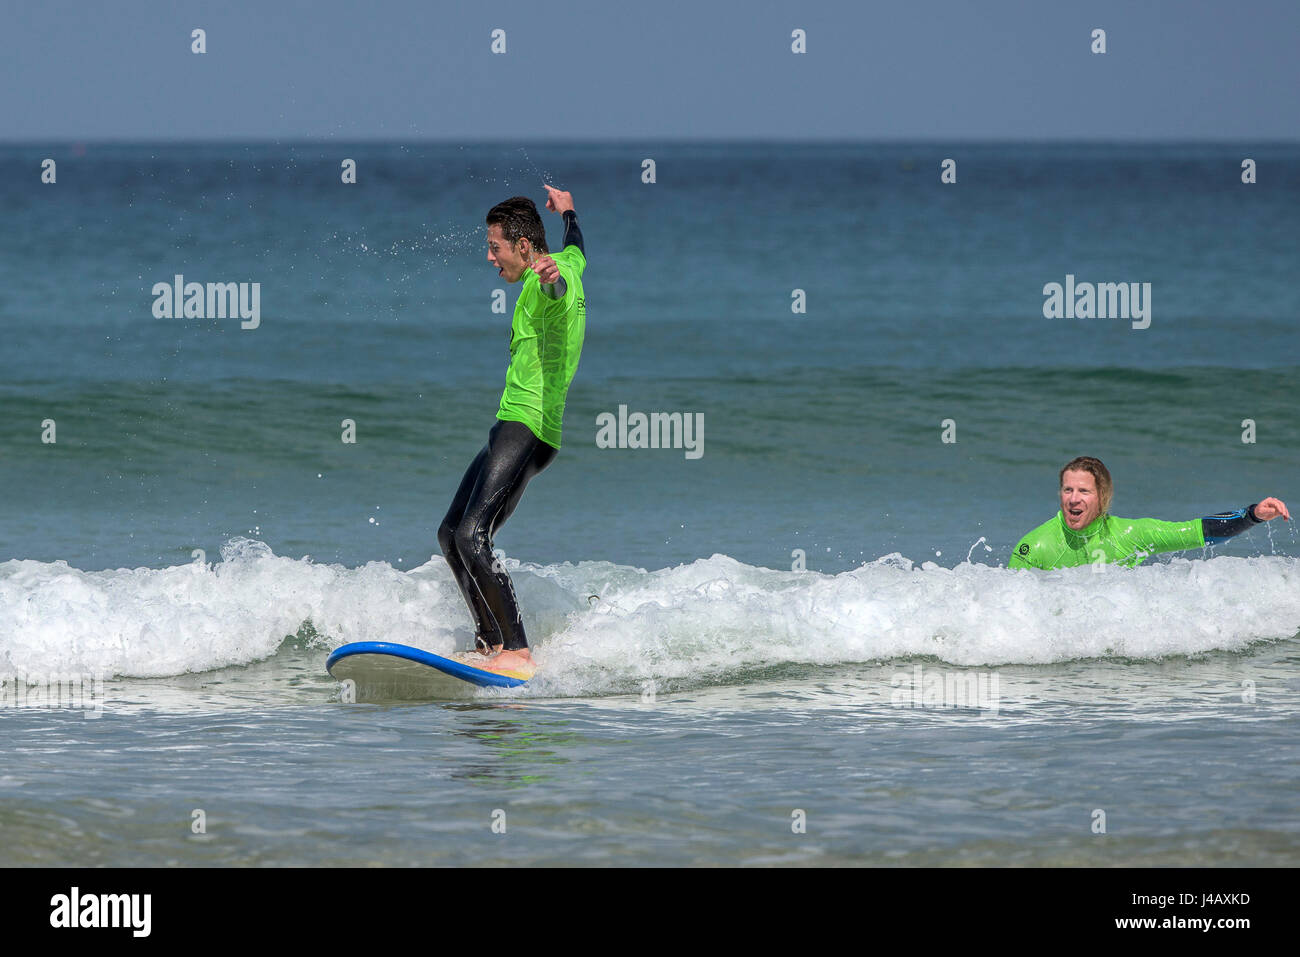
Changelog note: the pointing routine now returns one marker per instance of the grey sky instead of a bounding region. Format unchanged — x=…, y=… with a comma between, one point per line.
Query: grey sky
x=653, y=70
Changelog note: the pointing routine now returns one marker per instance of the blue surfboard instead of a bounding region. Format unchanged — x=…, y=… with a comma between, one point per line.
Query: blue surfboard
x=384, y=669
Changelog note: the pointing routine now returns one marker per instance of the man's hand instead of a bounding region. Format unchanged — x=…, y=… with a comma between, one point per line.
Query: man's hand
x=558, y=200
x=547, y=271
x=1271, y=508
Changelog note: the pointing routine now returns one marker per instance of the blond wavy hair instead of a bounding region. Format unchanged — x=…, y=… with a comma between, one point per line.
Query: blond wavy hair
x=1094, y=467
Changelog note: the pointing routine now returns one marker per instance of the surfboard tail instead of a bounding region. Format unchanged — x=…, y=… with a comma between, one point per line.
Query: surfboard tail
x=386, y=670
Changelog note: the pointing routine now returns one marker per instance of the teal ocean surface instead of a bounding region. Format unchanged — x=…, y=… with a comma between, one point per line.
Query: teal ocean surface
x=783, y=621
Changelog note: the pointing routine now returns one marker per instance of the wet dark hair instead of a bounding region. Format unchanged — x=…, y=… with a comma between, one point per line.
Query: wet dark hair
x=1099, y=472
x=519, y=219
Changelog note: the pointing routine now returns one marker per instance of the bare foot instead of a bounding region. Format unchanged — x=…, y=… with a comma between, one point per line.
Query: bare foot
x=520, y=661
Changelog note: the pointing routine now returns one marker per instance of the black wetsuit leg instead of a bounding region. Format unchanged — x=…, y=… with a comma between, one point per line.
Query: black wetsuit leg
x=447, y=541
x=487, y=496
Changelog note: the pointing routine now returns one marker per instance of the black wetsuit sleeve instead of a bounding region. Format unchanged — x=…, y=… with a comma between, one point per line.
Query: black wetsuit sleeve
x=1221, y=527
x=572, y=234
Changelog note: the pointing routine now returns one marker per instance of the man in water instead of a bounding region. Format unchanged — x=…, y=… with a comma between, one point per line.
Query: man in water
x=1083, y=531
x=545, y=342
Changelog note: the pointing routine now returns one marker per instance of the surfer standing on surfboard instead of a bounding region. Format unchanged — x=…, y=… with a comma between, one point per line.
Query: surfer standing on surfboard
x=1084, y=532
x=545, y=342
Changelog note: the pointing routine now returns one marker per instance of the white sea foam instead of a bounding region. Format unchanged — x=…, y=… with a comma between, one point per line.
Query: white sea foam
x=713, y=617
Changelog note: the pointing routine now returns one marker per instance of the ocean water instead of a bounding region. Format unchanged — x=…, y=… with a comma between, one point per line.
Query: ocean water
x=800, y=646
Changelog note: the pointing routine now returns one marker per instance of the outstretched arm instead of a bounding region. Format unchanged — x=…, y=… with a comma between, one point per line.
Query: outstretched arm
x=1219, y=528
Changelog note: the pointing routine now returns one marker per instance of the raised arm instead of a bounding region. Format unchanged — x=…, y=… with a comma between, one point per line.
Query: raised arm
x=559, y=201
x=572, y=234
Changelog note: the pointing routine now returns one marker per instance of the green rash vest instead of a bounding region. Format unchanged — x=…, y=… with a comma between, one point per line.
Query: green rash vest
x=545, y=344
x=1122, y=541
